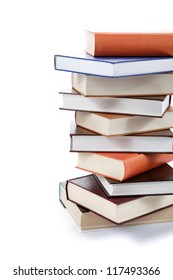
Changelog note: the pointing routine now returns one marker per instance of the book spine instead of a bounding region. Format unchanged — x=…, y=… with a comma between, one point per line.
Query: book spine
x=133, y=44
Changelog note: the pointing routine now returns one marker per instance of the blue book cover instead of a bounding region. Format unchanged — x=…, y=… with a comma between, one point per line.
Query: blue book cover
x=112, y=66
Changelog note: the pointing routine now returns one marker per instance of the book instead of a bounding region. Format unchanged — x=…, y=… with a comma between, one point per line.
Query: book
x=129, y=44
x=146, y=106
x=86, y=192
x=118, y=124
x=83, y=140
x=87, y=220
x=112, y=66
x=120, y=166
x=144, y=85
x=153, y=182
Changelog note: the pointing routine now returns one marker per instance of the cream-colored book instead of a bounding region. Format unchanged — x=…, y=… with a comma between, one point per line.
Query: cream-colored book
x=144, y=85
x=115, y=124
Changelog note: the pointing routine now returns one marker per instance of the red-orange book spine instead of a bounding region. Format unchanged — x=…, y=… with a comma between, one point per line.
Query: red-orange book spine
x=130, y=44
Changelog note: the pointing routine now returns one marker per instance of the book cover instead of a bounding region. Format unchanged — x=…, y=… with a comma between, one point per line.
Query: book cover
x=86, y=191
x=129, y=44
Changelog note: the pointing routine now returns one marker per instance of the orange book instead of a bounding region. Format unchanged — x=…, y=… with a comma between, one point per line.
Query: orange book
x=121, y=166
x=129, y=44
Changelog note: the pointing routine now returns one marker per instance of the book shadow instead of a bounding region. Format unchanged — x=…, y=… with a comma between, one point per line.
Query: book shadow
x=139, y=233
x=149, y=232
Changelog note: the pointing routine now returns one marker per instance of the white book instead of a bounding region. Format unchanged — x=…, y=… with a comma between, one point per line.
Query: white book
x=112, y=66
x=146, y=106
x=83, y=140
x=153, y=182
x=145, y=85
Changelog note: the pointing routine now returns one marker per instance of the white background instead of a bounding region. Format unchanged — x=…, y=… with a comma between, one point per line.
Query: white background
x=34, y=151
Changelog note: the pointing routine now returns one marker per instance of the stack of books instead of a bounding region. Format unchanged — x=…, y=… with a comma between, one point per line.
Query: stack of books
x=121, y=94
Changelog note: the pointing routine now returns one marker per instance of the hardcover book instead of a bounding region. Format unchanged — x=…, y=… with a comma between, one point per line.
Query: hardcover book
x=112, y=66
x=121, y=166
x=146, y=106
x=144, y=85
x=87, y=220
x=153, y=182
x=116, y=124
x=129, y=44
x=86, y=192
x=83, y=140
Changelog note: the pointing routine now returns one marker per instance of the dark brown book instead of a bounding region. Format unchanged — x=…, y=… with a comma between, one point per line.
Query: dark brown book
x=87, y=220
x=84, y=140
x=86, y=191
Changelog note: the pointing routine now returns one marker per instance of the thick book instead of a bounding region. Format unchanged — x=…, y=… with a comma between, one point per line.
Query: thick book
x=118, y=124
x=144, y=85
x=153, y=182
x=87, y=220
x=120, y=166
x=83, y=140
x=145, y=106
x=112, y=66
x=86, y=192
x=129, y=44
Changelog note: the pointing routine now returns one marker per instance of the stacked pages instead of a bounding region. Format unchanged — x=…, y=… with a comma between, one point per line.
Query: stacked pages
x=121, y=95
